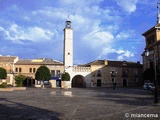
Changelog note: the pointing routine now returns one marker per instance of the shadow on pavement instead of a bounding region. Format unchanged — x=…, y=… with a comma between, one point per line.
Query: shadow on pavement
x=16, y=111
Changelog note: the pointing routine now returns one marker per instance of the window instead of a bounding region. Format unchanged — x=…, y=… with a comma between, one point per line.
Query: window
x=150, y=39
x=34, y=70
x=53, y=73
x=113, y=73
x=135, y=73
x=99, y=73
x=16, y=69
x=124, y=73
x=57, y=73
x=20, y=70
x=30, y=70
x=113, y=80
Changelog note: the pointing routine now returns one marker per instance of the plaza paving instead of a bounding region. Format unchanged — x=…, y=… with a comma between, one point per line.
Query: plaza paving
x=77, y=104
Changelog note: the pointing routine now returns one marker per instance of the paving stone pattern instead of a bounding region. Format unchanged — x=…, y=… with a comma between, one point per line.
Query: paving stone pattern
x=77, y=104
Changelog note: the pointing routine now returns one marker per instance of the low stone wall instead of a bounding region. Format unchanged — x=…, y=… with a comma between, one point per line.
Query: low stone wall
x=19, y=88
x=6, y=89
x=12, y=88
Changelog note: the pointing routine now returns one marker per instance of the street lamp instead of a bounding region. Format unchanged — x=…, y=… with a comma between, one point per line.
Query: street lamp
x=147, y=53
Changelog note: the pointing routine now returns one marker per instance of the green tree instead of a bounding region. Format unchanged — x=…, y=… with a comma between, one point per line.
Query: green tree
x=65, y=76
x=19, y=80
x=43, y=73
x=3, y=73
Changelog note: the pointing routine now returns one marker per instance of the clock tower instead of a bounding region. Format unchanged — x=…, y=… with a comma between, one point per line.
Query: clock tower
x=68, y=46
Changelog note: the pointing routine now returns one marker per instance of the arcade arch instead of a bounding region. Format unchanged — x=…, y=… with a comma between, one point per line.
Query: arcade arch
x=78, y=81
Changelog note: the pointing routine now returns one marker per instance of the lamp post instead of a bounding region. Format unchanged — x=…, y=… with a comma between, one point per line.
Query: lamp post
x=155, y=75
x=113, y=75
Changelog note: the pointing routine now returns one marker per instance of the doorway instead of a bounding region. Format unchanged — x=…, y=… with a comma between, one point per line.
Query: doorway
x=124, y=82
x=78, y=81
x=98, y=82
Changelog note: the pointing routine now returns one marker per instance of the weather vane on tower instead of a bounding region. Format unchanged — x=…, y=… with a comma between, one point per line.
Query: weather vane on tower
x=68, y=22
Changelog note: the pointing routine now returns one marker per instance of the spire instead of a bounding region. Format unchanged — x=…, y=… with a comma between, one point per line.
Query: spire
x=68, y=18
x=158, y=12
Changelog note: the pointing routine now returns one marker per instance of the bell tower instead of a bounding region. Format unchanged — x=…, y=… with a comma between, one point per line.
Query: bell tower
x=68, y=45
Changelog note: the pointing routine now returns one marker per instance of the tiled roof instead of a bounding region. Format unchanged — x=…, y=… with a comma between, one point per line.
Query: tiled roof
x=151, y=29
x=113, y=63
x=158, y=25
x=96, y=62
x=7, y=58
x=38, y=62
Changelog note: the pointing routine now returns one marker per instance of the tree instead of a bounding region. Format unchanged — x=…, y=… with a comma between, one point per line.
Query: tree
x=65, y=77
x=3, y=73
x=19, y=80
x=43, y=73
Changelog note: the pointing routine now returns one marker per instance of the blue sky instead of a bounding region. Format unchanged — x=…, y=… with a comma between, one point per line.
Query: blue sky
x=103, y=29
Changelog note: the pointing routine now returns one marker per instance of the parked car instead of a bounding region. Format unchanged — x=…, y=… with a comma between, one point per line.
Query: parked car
x=149, y=86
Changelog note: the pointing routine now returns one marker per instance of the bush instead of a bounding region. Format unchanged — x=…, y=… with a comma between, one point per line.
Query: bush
x=19, y=80
x=65, y=77
x=3, y=85
x=3, y=73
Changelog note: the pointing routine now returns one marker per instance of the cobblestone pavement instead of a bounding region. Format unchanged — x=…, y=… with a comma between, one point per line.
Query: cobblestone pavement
x=78, y=104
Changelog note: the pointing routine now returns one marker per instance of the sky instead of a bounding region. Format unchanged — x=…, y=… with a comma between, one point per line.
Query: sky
x=102, y=29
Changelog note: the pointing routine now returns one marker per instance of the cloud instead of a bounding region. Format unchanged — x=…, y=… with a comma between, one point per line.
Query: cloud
x=118, y=54
x=125, y=34
x=99, y=27
x=98, y=38
x=18, y=33
x=127, y=5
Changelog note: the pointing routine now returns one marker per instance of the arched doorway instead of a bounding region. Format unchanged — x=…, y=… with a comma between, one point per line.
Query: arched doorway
x=78, y=81
x=29, y=82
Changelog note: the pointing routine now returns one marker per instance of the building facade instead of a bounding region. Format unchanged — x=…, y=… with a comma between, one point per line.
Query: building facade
x=99, y=73
x=8, y=63
x=151, y=62
x=104, y=73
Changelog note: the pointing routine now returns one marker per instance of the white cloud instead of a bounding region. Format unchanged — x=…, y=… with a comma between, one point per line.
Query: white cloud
x=17, y=33
x=121, y=54
x=96, y=24
x=127, y=5
x=98, y=38
x=124, y=35
x=124, y=54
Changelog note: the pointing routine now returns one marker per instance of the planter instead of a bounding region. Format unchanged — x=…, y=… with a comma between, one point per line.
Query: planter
x=12, y=88
x=6, y=89
x=64, y=84
x=19, y=88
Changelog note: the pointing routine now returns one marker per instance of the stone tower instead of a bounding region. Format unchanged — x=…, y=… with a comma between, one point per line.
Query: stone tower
x=68, y=46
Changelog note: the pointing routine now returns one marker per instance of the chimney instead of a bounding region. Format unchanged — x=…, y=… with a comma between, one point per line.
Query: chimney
x=105, y=62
